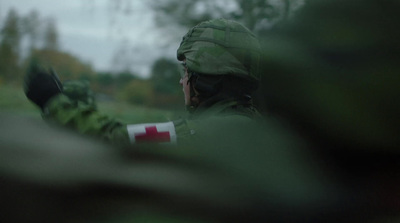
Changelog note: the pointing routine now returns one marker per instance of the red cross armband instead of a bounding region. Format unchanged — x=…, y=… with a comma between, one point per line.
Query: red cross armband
x=152, y=132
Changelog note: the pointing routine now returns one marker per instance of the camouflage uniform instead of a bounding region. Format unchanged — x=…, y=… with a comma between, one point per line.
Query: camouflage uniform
x=215, y=47
x=86, y=119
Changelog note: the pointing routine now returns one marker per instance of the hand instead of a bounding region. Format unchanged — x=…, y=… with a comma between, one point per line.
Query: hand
x=41, y=85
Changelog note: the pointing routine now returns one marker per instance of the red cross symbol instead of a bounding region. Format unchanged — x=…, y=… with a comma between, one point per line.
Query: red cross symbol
x=152, y=135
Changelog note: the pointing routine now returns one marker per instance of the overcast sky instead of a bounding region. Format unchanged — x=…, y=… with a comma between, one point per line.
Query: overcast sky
x=92, y=31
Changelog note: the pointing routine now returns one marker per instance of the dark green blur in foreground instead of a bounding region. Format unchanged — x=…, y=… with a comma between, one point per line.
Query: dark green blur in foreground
x=333, y=72
x=327, y=151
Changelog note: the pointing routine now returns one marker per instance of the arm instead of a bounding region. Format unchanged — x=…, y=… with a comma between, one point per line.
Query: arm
x=85, y=118
x=72, y=105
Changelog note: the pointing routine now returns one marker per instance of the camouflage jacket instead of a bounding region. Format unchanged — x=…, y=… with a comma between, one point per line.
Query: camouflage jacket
x=83, y=116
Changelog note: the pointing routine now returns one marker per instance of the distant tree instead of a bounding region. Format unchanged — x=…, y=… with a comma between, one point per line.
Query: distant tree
x=254, y=14
x=31, y=28
x=187, y=13
x=165, y=76
x=10, y=33
x=10, y=46
x=103, y=82
x=104, y=78
x=137, y=92
x=165, y=80
x=67, y=66
x=112, y=84
x=123, y=78
x=51, y=35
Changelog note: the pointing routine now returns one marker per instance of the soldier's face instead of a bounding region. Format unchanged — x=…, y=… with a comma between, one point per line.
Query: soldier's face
x=184, y=82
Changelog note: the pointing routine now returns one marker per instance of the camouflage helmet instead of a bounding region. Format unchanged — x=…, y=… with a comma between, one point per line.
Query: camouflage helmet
x=221, y=47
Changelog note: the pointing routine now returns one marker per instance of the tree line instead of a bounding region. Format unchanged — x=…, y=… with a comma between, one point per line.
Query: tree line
x=24, y=38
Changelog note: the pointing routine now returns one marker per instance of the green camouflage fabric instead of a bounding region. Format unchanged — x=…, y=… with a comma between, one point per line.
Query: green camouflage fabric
x=221, y=47
x=86, y=119
x=79, y=91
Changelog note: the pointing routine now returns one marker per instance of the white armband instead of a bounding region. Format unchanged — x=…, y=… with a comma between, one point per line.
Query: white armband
x=152, y=132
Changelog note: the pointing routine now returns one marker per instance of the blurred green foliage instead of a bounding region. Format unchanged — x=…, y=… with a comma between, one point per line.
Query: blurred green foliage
x=337, y=79
x=165, y=81
x=137, y=92
x=9, y=48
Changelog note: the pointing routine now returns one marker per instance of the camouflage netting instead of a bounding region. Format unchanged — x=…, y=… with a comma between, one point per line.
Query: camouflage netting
x=221, y=47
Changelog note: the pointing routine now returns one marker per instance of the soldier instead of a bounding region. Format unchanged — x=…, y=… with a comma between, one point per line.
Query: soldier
x=220, y=60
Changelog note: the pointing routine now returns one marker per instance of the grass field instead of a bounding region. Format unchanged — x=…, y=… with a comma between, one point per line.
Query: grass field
x=13, y=100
